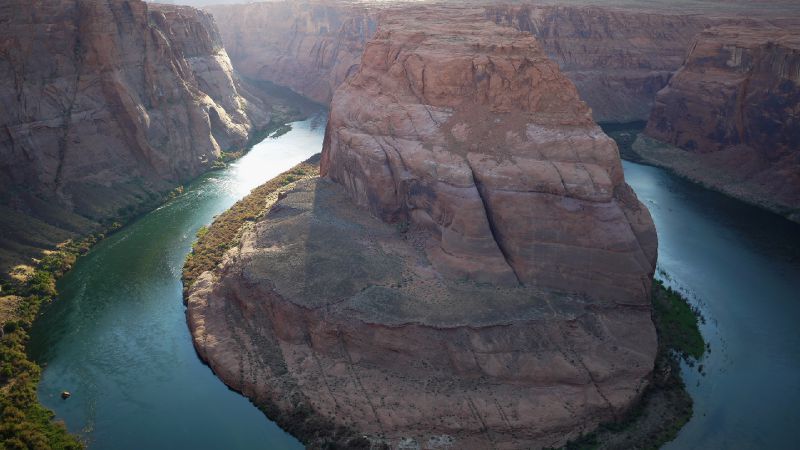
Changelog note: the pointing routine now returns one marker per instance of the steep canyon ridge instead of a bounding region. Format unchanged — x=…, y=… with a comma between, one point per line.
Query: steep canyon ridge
x=107, y=105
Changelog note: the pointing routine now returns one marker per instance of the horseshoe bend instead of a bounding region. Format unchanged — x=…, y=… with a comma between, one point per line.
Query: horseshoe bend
x=469, y=269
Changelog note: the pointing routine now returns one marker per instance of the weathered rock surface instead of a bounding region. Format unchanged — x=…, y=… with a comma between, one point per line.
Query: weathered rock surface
x=310, y=47
x=618, y=58
x=733, y=110
x=104, y=105
x=475, y=135
x=496, y=297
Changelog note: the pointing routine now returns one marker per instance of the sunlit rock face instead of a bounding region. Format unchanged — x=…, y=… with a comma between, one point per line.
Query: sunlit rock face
x=471, y=271
x=475, y=135
x=617, y=58
x=733, y=109
x=104, y=105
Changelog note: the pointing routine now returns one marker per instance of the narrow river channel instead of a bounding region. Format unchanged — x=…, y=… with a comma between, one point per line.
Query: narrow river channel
x=117, y=337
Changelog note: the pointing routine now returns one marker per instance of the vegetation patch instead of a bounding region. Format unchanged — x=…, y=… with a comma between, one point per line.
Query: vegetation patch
x=665, y=406
x=278, y=126
x=24, y=422
x=226, y=230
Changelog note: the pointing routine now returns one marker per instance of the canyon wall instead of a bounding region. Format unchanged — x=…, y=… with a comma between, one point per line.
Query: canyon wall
x=462, y=136
x=105, y=105
x=471, y=271
x=308, y=47
x=732, y=112
x=617, y=58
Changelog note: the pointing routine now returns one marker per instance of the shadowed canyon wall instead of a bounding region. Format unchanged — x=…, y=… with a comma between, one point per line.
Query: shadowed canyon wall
x=618, y=59
x=308, y=47
x=105, y=105
x=733, y=110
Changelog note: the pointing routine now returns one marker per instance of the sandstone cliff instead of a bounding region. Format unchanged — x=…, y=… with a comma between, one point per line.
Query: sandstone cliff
x=732, y=109
x=452, y=134
x=496, y=297
x=105, y=105
x=306, y=46
x=618, y=58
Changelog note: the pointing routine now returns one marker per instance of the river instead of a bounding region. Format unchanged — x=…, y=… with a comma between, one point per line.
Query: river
x=118, y=341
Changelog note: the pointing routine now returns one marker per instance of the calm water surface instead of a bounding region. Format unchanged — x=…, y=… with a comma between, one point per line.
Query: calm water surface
x=117, y=337
x=741, y=267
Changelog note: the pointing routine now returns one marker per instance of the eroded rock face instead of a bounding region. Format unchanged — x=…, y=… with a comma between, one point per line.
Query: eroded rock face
x=339, y=326
x=104, y=104
x=618, y=58
x=476, y=136
x=496, y=297
x=733, y=109
x=310, y=47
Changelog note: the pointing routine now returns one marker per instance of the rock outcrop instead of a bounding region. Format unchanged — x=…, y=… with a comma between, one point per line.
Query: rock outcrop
x=618, y=58
x=104, y=105
x=452, y=131
x=310, y=47
x=732, y=112
x=496, y=297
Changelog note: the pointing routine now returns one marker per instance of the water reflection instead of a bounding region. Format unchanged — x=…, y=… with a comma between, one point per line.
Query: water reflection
x=117, y=338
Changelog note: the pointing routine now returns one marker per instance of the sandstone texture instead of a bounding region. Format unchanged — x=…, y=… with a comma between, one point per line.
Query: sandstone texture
x=105, y=105
x=454, y=127
x=308, y=47
x=618, y=58
x=732, y=111
x=472, y=270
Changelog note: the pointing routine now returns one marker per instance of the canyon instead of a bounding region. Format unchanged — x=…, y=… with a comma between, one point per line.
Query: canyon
x=730, y=116
x=619, y=55
x=470, y=269
x=107, y=106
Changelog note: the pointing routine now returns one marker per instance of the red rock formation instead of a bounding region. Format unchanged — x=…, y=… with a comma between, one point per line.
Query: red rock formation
x=506, y=305
x=453, y=134
x=104, y=105
x=617, y=58
x=733, y=109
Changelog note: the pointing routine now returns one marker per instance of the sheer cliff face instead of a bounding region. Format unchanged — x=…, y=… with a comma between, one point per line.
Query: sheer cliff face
x=498, y=294
x=734, y=106
x=308, y=47
x=618, y=59
x=490, y=148
x=105, y=104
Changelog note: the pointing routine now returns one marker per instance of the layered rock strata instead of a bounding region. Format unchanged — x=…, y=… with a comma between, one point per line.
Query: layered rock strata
x=731, y=113
x=106, y=104
x=496, y=297
x=310, y=47
x=453, y=130
x=618, y=58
